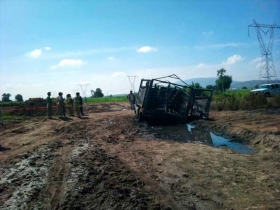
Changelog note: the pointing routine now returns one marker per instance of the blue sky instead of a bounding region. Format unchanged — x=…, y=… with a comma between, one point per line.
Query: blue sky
x=57, y=45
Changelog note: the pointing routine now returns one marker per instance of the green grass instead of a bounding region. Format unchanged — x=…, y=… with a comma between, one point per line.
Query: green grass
x=107, y=99
x=12, y=117
x=242, y=99
x=239, y=94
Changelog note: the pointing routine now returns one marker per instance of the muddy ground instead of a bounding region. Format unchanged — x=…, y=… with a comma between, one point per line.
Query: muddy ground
x=108, y=160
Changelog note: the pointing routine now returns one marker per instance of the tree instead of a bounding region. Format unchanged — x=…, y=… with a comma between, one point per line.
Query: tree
x=256, y=86
x=6, y=97
x=97, y=93
x=244, y=88
x=196, y=85
x=223, y=82
x=18, y=97
x=211, y=87
x=221, y=72
x=92, y=93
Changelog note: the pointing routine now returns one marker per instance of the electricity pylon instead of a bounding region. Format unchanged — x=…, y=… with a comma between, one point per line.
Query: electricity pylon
x=267, y=70
x=132, y=81
x=84, y=89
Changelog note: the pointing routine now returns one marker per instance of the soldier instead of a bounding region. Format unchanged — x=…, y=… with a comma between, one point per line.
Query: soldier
x=69, y=105
x=60, y=105
x=77, y=104
x=49, y=105
x=81, y=106
x=131, y=98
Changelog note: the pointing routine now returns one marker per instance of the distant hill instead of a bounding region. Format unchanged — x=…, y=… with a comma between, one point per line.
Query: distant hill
x=202, y=81
x=249, y=84
x=235, y=84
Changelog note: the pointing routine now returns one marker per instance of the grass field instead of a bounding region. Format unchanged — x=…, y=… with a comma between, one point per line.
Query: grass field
x=107, y=99
x=7, y=116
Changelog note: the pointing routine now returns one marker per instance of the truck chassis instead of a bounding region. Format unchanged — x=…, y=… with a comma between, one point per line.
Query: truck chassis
x=164, y=101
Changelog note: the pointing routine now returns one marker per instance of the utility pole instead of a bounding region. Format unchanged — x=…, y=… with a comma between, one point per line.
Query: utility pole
x=132, y=81
x=267, y=69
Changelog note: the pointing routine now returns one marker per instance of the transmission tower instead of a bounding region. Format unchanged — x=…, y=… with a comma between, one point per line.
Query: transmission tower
x=84, y=89
x=132, y=81
x=267, y=70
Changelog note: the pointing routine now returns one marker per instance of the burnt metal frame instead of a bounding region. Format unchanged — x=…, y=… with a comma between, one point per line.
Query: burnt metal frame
x=193, y=108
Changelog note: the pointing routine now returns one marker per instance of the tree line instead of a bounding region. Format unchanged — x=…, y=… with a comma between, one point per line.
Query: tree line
x=6, y=97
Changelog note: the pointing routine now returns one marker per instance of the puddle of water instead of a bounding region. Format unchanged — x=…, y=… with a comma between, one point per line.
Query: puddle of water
x=189, y=133
x=219, y=141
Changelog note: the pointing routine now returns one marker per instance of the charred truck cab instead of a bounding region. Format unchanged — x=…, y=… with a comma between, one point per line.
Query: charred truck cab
x=163, y=101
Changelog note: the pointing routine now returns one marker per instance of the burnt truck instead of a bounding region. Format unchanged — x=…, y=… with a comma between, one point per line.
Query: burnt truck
x=164, y=101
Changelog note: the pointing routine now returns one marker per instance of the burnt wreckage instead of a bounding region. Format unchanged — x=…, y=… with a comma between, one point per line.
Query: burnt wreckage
x=161, y=100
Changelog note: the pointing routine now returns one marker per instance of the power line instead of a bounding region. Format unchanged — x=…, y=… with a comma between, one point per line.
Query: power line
x=267, y=71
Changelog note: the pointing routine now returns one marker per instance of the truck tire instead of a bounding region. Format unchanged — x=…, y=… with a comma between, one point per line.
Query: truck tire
x=267, y=94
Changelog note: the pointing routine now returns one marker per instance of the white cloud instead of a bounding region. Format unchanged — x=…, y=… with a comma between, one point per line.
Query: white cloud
x=220, y=45
x=35, y=53
x=200, y=65
x=111, y=58
x=69, y=63
x=256, y=60
x=207, y=33
x=232, y=60
x=227, y=45
x=118, y=74
x=146, y=49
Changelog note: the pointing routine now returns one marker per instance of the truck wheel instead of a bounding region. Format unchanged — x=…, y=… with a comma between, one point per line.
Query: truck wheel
x=267, y=94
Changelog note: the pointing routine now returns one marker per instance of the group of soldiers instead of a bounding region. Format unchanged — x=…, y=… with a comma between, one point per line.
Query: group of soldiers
x=70, y=104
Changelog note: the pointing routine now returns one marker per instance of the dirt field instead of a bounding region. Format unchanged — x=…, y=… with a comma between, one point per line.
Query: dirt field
x=107, y=160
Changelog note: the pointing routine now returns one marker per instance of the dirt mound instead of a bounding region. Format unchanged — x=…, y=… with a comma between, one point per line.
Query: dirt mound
x=106, y=107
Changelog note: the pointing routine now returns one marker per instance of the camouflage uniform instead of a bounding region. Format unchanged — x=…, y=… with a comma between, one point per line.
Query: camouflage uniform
x=60, y=104
x=77, y=105
x=81, y=105
x=69, y=105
